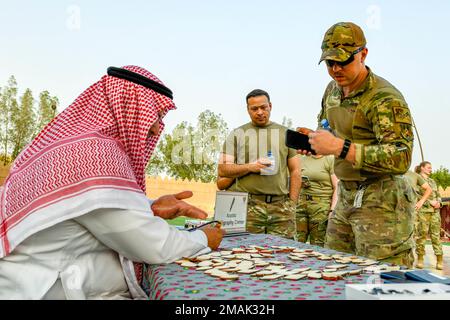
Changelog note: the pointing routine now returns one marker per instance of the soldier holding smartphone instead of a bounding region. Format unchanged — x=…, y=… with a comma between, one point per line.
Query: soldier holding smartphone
x=372, y=145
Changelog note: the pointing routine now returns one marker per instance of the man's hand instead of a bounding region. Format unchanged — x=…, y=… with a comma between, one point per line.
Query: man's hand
x=419, y=205
x=330, y=213
x=259, y=164
x=435, y=204
x=304, y=131
x=171, y=206
x=325, y=143
x=227, y=168
x=214, y=235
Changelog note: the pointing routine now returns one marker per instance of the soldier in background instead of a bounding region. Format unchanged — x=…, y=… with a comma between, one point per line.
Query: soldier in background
x=372, y=145
x=420, y=186
x=245, y=158
x=422, y=190
x=317, y=198
x=429, y=219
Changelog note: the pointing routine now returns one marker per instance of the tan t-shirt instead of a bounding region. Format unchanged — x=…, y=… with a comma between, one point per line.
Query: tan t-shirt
x=248, y=143
x=318, y=172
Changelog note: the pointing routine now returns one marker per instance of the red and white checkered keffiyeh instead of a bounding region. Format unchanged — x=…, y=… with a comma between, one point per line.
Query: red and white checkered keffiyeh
x=95, y=148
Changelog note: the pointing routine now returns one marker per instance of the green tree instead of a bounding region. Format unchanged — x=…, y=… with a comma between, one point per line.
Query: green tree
x=20, y=122
x=23, y=118
x=46, y=110
x=8, y=105
x=156, y=165
x=191, y=152
x=442, y=177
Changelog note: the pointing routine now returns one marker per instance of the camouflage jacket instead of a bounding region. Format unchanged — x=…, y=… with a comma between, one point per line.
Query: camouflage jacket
x=435, y=195
x=377, y=120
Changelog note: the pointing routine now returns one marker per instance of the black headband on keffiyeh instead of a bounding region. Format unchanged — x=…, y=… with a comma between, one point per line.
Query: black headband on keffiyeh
x=139, y=79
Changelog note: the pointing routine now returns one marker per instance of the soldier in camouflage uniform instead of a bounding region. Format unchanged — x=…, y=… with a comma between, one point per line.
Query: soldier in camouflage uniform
x=272, y=203
x=422, y=191
x=429, y=219
x=372, y=143
x=317, y=198
x=421, y=188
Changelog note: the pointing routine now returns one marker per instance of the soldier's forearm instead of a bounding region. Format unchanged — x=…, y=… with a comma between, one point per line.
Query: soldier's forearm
x=383, y=158
x=351, y=155
x=223, y=183
x=334, y=199
x=426, y=194
x=295, y=186
x=231, y=170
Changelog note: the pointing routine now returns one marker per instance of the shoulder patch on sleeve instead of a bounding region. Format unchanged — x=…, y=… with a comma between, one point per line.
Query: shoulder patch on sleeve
x=401, y=115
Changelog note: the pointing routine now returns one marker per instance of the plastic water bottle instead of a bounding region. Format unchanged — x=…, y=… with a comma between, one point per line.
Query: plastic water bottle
x=270, y=170
x=326, y=125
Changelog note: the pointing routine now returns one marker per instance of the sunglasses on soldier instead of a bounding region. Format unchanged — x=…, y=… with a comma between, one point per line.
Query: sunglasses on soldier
x=331, y=63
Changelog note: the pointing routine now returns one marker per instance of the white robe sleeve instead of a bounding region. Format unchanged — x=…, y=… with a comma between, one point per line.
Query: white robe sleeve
x=141, y=237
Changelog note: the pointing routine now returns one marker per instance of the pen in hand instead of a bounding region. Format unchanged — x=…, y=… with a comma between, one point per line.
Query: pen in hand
x=205, y=224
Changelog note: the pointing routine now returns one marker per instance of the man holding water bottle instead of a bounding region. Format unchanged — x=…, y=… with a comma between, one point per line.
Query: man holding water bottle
x=372, y=142
x=256, y=156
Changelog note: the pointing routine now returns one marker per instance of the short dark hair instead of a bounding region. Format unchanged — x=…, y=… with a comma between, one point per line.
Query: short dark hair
x=257, y=93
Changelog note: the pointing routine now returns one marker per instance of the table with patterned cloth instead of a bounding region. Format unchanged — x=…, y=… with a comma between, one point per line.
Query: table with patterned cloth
x=445, y=219
x=174, y=282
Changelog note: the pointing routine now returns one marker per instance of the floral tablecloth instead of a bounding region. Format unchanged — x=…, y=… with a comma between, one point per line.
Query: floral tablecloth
x=177, y=283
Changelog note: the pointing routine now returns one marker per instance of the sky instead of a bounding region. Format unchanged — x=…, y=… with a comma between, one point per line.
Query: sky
x=212, y=53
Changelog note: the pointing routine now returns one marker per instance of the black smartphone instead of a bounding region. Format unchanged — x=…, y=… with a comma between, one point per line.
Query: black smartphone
x=298, y=141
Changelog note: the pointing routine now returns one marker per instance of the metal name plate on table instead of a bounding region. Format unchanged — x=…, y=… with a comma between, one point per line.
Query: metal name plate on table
x=231, y=209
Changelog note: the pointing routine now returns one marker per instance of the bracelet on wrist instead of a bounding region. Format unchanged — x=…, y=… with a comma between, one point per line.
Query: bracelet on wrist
x=345, y=148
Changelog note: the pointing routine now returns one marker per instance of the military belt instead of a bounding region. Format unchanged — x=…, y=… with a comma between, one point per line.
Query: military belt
x=355, y=185
x=268, y=198
x=309, y=197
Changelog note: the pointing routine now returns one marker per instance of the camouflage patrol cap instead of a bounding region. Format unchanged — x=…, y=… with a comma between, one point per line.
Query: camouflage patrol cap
x=341, y=40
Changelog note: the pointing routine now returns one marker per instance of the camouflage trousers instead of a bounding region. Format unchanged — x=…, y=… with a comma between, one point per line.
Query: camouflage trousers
x=276, y=218
x=312, y=219
x=428, y=222
x=382, y=228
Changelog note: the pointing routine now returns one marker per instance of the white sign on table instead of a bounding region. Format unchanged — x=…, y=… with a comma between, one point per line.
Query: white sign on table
x=231, y=210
